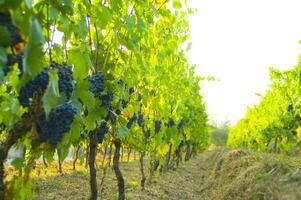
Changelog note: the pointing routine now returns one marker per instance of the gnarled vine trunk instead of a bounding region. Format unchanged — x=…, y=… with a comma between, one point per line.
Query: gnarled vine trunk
x=75, y=157
x=188, y=152
x=92, y=156
x=118, y=174
x=167, y=160
x=143, y=178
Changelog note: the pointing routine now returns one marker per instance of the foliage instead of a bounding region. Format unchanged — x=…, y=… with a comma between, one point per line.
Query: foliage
x=273, y=124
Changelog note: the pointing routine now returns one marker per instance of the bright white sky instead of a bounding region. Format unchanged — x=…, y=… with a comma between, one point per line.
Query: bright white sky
x=236, y=41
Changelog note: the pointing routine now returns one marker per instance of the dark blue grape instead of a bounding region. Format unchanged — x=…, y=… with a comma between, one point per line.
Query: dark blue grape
x=58, y=123
x=140, y=119
x=181, y=123
x=157, y=126
x=39, y=82
x=97, y=83
x=131, y=121
x=101, y=131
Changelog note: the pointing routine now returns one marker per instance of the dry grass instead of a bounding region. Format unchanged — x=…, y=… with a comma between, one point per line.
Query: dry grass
x=215, y=174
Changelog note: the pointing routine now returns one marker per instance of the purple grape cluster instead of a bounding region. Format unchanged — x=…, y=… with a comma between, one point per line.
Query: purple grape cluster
x=171, y=122
x=65, y=75
x=38, y=83
x=140, y=119
x=101, y=131
x=107, y=99
x=52, y=129
x=181, y=123
x=97, y=83
x=157, y=126
x=132, y=121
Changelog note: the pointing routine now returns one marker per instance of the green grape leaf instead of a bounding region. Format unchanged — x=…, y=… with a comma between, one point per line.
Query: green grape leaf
x=17, y=163
x=33, y=53
x=52, y=92
x=84, y=94
x=91, y=120
x=49, y=154
x=5, y=38
x=123, y=131
x=62, y=153
x=76, y=128
x=82, y=63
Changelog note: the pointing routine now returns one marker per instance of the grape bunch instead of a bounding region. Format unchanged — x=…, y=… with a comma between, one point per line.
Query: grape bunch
x=131, y=121
x=6, y=23
x=65, y=78
x=58, y=123
x=171, y=122
x=97, y=83
x=101, y=131
x=39, y=83
x=157, y=126
x=107, y=99
x=181, y=123
x=140, y=119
